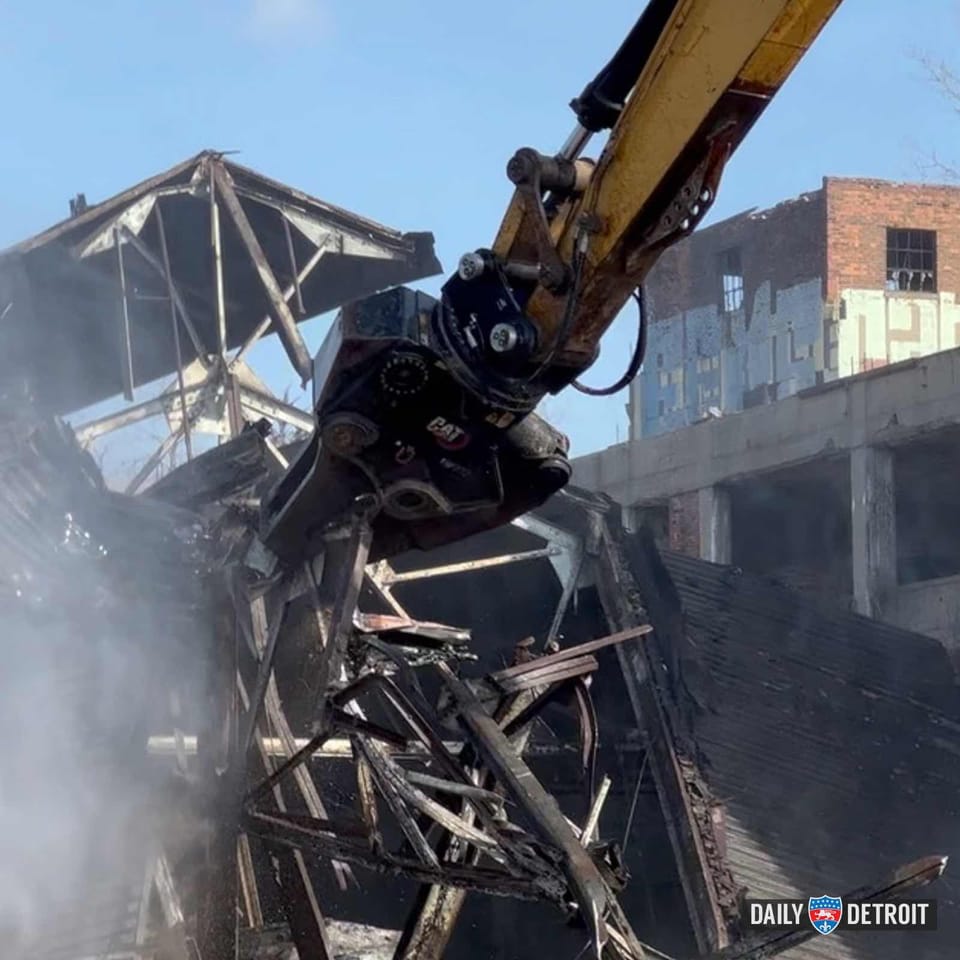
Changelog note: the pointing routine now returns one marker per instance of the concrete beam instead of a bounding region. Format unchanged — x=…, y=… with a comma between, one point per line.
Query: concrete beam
x=714, y=516
x=874, y=530
x=884, y=407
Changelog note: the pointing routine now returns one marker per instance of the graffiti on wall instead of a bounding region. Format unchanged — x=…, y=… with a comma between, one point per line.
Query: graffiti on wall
x=704, y=361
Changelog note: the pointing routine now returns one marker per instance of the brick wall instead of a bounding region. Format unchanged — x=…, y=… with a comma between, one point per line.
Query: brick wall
x=684, y=523
x=858, y=213
x=784, y=245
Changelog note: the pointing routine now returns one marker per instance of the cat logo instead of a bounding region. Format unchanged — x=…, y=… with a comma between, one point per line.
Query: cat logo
x=448, y=435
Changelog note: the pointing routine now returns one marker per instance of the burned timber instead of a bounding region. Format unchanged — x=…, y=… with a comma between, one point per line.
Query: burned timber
x=441, y=755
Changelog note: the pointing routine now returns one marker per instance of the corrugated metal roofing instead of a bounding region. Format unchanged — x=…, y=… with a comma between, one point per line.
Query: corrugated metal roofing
x=832, y=741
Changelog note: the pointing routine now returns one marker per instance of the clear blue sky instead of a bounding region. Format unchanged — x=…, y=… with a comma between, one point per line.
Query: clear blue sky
x=406, y=112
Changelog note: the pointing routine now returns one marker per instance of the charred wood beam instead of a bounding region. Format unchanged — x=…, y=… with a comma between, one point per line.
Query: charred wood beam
x=291, y=763
x=265, y=667
x=308, y=928
x=389, y=770
x=248, y=883
x=344, y=561
x=570, y=653
x=298, y=897
x=277, y=718
x=427, y=933
x=343, y=722
x=586, y=884
x=547, y=674
x=499, y=883
x=429, y=927
x=287, y=328
x=621, y=599
x=424, y=732
x=367, y=798
x=454, y=789
x=217, y=928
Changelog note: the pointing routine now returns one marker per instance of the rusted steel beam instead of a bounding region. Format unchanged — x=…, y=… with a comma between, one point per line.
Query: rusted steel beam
x=287, y=328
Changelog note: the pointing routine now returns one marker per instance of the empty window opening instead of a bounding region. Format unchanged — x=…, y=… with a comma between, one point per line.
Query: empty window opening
x=911, y=260
x=731, y=279
x=794, y=525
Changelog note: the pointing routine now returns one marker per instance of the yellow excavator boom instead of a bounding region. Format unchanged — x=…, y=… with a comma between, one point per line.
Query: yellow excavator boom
x=704, y=71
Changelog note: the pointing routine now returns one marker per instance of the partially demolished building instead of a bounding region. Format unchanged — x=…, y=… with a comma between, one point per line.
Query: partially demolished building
x=446, y=755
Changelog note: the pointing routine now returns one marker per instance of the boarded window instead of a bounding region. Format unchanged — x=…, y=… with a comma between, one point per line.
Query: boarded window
x=731, y=281
x=911, y=260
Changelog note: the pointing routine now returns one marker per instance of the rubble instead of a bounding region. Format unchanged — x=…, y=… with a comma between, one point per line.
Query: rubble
x=310, y=745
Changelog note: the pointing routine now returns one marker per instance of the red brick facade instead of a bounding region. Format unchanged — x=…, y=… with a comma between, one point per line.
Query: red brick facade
x=685, y=523
x=858, y=213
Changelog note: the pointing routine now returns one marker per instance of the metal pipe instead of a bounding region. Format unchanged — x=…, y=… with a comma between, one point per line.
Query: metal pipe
x=469, y=565
x=575, y=143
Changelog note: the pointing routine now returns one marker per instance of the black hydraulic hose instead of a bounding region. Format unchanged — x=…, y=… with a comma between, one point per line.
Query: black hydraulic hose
x=636, y=361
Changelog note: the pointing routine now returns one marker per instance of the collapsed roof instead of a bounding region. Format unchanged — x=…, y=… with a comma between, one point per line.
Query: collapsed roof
x=785, y=745
x=86, y=304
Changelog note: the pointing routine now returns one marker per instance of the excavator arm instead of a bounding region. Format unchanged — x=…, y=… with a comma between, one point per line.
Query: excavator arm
x=425, y=408
x=678, y=97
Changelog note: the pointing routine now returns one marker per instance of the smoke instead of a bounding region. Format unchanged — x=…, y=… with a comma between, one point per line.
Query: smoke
x=89, y=655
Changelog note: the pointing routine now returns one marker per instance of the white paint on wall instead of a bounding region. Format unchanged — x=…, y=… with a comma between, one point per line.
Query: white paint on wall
x=779, y=344
x=877, y=328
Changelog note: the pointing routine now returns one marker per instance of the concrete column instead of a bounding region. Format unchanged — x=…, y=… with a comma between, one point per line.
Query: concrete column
x=873, y=529
x=714, y=514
